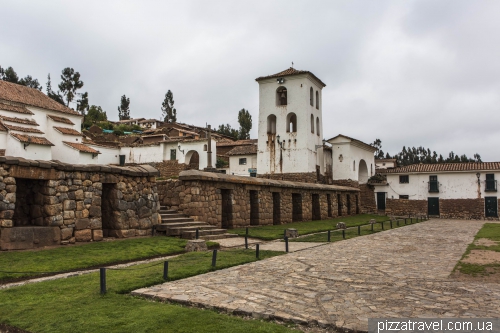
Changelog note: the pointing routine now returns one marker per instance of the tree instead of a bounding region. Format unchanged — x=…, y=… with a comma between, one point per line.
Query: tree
x=70, y=84
x=82, y=104
x=379, y=153
x=169, y=113
x=56, y=96
x=94, y=115
x=245, y=120
x=124, y=109
x=9, y=75
x=228, y=131
x=28, y=81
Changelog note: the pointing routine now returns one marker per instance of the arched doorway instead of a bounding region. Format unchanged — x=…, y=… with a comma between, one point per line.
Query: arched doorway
x=193, y=159
x=362, y=172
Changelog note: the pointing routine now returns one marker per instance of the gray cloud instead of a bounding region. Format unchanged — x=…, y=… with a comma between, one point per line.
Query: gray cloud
x=410, y=73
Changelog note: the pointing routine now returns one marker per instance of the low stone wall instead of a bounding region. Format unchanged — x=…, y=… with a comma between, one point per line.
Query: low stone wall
x=448, y=208
x=305, y=177
x=367, y=195
x=169, y=168
x=83, y=202
x=226, y=201
x=405, y=207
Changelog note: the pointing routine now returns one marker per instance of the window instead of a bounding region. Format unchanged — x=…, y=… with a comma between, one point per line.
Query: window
x=312, y=124
x=317, y=100
x=281, y=96
x=491, y=183
x=317, y=126
x=205, y=147
x=243, y=161
x=253, y=174
x=173, y=153
x=271, y=124
x=404, y=197
x=404, y=179
x=433, y=184
x=291, y=122
x=311, y=93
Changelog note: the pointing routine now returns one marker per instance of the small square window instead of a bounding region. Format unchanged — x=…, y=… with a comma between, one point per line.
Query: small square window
x=404, y=179
x=243, y=161
x=404, y=197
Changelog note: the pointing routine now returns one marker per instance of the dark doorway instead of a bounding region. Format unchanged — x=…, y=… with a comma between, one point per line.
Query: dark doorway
x=348, y=204
x=329, y=203
x=491, y=206
x=357, y=204
x=227, y=209
x=276, y=208
x=381, y=200
x=296, y=207
x=254, y=207
x=194, y=161
x=29, y=202
x=339, y=204
x=108, y=205
x=316, y=210
x=433, y=206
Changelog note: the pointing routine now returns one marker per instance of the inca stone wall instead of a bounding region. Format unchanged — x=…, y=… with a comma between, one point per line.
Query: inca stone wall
x=50, y=203
x=405, y=207
x=448, y=208
x=169, y=168
x=224, y=200
x=367, y=195
x=305, y=177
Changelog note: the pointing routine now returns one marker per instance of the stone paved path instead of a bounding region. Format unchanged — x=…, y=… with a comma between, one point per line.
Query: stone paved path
x=276, y=245
x=397, y=273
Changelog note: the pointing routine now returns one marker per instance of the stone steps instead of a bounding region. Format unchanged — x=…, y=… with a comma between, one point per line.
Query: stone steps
x=178, y=231
x=191, y=234
x=165, y=226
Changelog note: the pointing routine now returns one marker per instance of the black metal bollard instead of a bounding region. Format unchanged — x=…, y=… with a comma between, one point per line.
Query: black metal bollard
x=372, y=226
x=411, y=220
x=165, y=270
x=197, y=233
x=102, y=275
x=329, y=235
x=153, y=230
x=214, y=258
x=246, y=242
x=284, y=234
x=246, y=231
x=397, y=223
x=286, y=244
x=359, y=230
x=405, y=221
x=343, y=233
x=382, y=225
x=257, y=250
x=390, y=222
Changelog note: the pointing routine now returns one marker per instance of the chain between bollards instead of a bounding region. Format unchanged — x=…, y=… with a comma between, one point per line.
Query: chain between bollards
x=165, y=270
x=286, y=244
x=214, y=258
x=102, y=275
x=257, y=250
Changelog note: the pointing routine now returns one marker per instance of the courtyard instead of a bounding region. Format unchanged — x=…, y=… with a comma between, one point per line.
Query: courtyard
x=402, y=272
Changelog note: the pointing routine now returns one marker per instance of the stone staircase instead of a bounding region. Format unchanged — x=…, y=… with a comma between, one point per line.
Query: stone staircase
x=174, y=223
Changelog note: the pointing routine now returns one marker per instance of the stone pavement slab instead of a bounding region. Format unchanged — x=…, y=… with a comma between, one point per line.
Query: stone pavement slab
x=397, y=273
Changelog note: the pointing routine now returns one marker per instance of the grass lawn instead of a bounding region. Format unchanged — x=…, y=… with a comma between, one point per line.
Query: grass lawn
x=87, y=255
x=75, y=305
x=276, y=231
x=489, y=231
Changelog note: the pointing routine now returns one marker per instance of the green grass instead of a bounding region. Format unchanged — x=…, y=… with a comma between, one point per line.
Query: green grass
x=489, y=231
x=272, y=232
x=87, y=255
x=336, y=235
x=75, y=305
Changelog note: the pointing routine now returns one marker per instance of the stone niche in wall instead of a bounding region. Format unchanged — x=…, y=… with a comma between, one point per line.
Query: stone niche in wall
x=51, y=203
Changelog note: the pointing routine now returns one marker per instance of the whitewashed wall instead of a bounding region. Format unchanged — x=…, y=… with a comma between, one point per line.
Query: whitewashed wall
x=242, y=170
x=34, y=152
x=453, y=185
x=142, y=154
x=352, y=157
x=108, y=155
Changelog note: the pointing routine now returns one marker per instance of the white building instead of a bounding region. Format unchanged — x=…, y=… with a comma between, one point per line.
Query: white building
x=33, y=126
x=290, y=125
x=463, y=190
x=243, y=160
x=386, y=163
x=352, y=159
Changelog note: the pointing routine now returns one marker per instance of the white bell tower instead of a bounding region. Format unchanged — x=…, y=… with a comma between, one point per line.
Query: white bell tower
x=290, y=123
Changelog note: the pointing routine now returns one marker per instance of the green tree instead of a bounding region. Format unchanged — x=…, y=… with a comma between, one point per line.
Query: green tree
x=9, y=75
x=56, y=96
x=28, y=81
x=169, y=113
x=94, y=115
x=82, y=104
x=70, y=84
x=228, y=131
x=245, y=120
x=124, y=108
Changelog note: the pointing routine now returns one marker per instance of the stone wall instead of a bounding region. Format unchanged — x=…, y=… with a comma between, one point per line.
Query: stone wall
x=461, y=208
x=367, y=195
x=305, y=177
x=201, y=196
x=83, y=202
x=405, y=207
x=169, y=169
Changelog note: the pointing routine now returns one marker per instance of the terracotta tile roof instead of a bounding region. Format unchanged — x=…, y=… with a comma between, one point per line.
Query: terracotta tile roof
x=60, y=119
x=32, y=139
x=288, y=72
x=30, y=96
x=19, y=120
x=81, y=147
x=243, y=150
x=2, y=127
x=14, y=108
x=23, y=129
x=150, y=121
x=237, y=143
x=68, y=131
x=443, y=167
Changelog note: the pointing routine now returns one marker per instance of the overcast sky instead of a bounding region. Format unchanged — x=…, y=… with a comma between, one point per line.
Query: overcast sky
x=414, y=73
